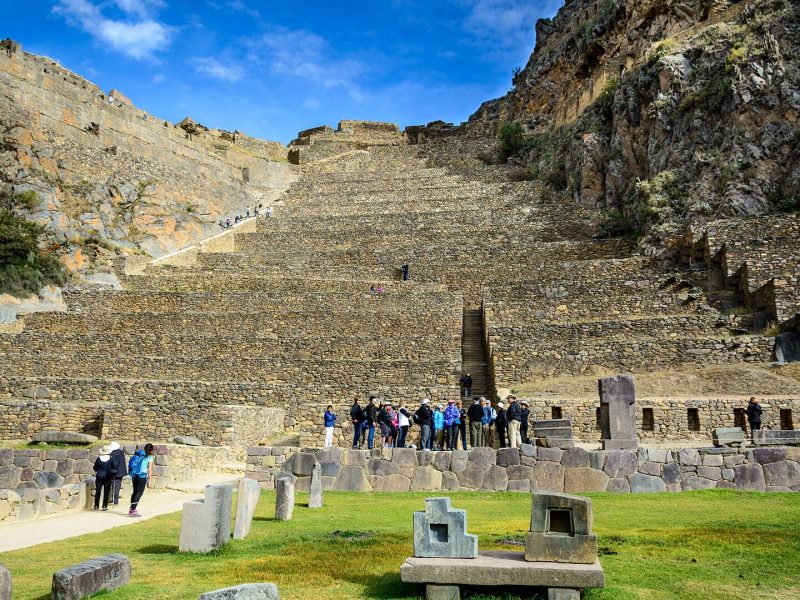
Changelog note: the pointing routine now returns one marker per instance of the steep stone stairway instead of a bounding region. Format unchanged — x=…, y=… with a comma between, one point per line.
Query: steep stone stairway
x=473, y=353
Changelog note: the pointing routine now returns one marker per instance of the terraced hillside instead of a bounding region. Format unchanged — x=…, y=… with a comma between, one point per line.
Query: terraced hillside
x=287, y=320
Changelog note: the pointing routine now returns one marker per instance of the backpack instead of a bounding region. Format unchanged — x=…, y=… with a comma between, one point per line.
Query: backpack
x=135, y=463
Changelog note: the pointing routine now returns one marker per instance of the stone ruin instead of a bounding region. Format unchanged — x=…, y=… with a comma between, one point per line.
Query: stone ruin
x=560, y=551
x=247, y=591
x=246, y=503
x=206, y=523
x=284, y=498
x=441, y=531
x=553, y=433
x=618, y=413
x=103, y=573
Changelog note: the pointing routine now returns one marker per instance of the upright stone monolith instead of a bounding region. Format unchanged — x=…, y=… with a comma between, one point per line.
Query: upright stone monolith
x=5, y=583
x=206, y=523
x=246, y=502
x=618, y=413
x=284, y=498
x=441, y=531
x=315, y=491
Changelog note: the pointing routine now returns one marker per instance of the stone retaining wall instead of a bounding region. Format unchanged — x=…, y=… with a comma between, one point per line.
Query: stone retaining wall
x=540, y=469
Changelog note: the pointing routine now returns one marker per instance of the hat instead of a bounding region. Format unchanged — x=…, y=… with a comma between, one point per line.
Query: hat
x=425, y=401
x=451, y=401
x=511, y=397
x=114, y=446
x=500, y=404
x=523, y=402
x=105, y=450
x=387, y=403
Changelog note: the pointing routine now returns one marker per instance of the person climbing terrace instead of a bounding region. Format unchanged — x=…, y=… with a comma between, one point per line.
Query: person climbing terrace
x=358, y=418
x=476, y=414
x=405, y=272
x=466, y=385
x=754, y=415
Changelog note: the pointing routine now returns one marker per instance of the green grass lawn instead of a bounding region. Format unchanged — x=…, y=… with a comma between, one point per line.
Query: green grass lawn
x=699, y=545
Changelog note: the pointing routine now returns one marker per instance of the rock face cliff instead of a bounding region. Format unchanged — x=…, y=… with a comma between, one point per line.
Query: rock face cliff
x=662, y=112
x=111, y=179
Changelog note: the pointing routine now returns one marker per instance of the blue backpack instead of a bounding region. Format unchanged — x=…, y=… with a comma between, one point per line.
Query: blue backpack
x=135, y=464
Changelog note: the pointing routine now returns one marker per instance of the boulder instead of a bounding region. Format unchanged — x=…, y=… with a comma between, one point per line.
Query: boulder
x=442, y=461
x=301, y=464
x=187, y=440
x=88, y=578
x=472, y=477
x=247, y=591
x=404, y=457
x=671, y=473
x=64, y=437
x=458, y=460
x=37, y=392
x=765, y=456
x=377, y=466
x=689, y=457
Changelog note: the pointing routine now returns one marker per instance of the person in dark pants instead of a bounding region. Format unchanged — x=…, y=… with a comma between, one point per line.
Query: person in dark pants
x=103, y=477
x=357, y=418
x=118, y=468
x=501, y=424
x=140, y=468
x=754, y=415
x=466, y=385
x=475, y=414
x=462, y=424
x=424, y=418
x=371, y=415
x=405, y=272
x=523, y=426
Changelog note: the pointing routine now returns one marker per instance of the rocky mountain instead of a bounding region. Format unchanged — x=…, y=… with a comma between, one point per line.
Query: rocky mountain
x=105, y=178
x=662, y=112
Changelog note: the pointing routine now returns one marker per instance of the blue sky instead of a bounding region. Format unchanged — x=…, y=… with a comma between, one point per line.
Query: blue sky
x=271, y=68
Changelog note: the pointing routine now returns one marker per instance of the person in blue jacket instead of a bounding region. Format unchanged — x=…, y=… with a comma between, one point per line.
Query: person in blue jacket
x=451, y=422
x=330, y=421
x=438, y=427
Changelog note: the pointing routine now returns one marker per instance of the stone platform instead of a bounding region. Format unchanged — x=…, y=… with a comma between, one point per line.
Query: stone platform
x=493, y=568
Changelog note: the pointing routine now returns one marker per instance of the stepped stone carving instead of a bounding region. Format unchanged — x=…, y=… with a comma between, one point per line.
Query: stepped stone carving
x=206, y=523
x=441, y=531
x=618, y=419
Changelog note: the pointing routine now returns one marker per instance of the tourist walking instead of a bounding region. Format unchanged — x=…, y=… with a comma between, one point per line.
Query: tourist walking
x=487, y=420
x=103, y=479
x=451, y=421
x=424, y=418
x=462, y=424
x=514, y=416
x=466, y=385
x=330, y=421
x=140, y=468
x=405, y=272
x=404, y=421
x=371, y=414
x=475, y=414
x=524, y=414
x=500, y=424
x=118, y=468
x=754, y=415
x=357, y=418
x=438, y=426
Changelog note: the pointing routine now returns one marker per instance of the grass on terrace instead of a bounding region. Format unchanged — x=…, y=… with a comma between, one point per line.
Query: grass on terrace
x=714, y=544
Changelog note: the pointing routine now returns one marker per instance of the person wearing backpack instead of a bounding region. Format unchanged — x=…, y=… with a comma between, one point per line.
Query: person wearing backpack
x=140, y=468
x=103, y=477
x=118, y=468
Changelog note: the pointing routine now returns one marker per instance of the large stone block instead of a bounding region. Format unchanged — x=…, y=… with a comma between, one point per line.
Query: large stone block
x=620, y=463
x=472, y=477
x=776, y=437
x=619, y=486
x=10, y=477
x=495, y=479
x=671, y=473
x=442, y=460
x=561, y=530
x=646, y=484
x=618, y=413
x=247, y=591
x=441, y=531
x=507, y=457
x=442, y=592
x=394, y=483
x=284, y=498
x=727, y=436
x=697, y=483
x=246, y=503
x=103, y=573
x=404, y=458
x=206, y=523
x=378, y=466
x=426, y=478
x=48, y=479
x=64, y=437
x=576, y=457
x=5, y=583
x=458, y=460
x=784, y=473
x=352, y=479
x=765, y=456
x=300, y=464
x=483, y=457
x=584, y=479
x=548, y=477
x=315, y=487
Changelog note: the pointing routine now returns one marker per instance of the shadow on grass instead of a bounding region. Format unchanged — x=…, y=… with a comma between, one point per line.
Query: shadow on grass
x=158, y=549
x=389, y=585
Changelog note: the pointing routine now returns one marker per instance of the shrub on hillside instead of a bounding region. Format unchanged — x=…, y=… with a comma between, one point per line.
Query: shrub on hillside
x=24, y=267
x=512, y=138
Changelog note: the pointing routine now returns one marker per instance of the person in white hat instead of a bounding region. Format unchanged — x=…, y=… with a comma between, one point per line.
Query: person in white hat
x=501, y=424
x=102, y=477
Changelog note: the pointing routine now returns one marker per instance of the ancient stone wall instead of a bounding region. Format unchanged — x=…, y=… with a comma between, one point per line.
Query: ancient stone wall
x=539, y=469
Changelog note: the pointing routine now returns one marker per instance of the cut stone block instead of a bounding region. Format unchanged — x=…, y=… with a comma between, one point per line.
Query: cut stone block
x=728, y=436
x=64, y=437
x=561, y=530
x=315, y=487
x=187, y=440
x=618, y=413
x=776, y=437
x=442, y=592
x=441, y=531
x=563, y=594
x=284, y=498
x=246, y=591
x=107, y=572
x=497, y=568
x=246, y=502
x=5, y=583
x=206, y=523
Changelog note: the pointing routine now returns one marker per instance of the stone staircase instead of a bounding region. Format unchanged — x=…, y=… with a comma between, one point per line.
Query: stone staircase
x=474, y=359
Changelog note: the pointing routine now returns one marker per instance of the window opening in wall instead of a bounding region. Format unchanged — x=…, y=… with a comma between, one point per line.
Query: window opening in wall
x=693, y=415
x=740, y=418
x=555, y=412
x=647, y=419
x=598, y=418
x=786, y=419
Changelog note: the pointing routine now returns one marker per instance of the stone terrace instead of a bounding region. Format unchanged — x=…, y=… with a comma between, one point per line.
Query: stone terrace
x=286, y=319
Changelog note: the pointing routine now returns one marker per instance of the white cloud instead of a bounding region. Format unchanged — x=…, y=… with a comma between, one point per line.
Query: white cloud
x=211, y=67
x=311, y=104
x=507, y=23
x=139, y=36
x=158, y=78
x=306, y=55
